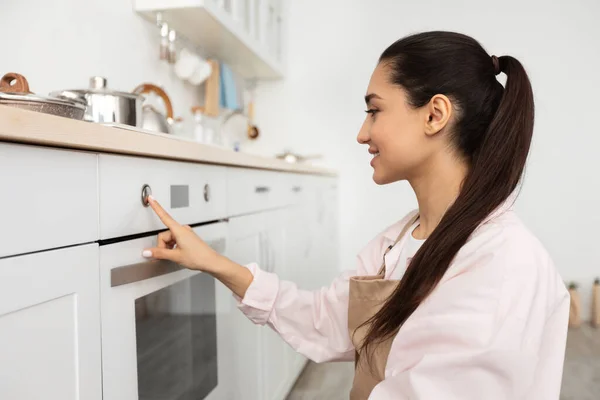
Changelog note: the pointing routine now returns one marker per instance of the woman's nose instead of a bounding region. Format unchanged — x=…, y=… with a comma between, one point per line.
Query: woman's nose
x=363, y=135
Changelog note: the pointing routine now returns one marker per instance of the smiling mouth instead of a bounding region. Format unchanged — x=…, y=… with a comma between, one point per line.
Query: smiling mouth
x=375, y=154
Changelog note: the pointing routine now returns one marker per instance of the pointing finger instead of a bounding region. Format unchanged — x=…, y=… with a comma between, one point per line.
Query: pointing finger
x=162, y=214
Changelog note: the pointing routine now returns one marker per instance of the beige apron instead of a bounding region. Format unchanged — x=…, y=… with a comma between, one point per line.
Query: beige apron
x=367, y=296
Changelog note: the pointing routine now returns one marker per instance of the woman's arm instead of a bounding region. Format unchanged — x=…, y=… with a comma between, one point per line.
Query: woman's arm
x=314, y=323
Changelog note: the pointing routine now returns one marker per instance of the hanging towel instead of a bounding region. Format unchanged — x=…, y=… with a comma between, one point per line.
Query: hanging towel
x=228, y=98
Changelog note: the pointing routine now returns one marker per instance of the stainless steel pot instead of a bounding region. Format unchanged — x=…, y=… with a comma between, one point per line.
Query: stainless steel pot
x=106, y=106
x=14, y=92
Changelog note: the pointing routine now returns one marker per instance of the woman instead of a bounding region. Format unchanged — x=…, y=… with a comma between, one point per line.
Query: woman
x=458, y=300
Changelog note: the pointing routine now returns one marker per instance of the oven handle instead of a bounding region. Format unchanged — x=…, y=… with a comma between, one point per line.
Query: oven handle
x=149, y=269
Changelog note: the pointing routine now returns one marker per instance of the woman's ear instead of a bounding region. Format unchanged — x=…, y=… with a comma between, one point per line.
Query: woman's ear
x=439, y=112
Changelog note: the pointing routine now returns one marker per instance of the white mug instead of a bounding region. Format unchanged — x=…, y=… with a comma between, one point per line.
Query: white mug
x=201, y=73
x=186, y=64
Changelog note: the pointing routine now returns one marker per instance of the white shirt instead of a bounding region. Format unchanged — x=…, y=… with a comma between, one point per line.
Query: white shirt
x=407, y=252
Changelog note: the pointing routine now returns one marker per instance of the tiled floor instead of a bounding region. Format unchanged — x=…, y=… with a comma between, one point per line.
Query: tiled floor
x=581, y=380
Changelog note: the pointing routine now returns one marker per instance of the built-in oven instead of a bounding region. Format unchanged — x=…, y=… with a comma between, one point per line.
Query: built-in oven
x=164, y=327
x=160, y=324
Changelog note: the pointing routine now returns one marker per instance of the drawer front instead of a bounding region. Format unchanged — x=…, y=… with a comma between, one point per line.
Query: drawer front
x=296, y=188
x=253, y=190
x=49, y=197
x=191, y=193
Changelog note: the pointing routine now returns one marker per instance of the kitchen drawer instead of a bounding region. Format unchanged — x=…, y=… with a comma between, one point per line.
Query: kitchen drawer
x=251, y=190
x=296, y=187
x=49, y=198
x=191, y=193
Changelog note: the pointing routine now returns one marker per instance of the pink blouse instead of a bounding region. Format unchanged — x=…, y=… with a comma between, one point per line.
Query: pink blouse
x=494, y=328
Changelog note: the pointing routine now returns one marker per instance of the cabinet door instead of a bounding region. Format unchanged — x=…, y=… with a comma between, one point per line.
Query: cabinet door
x=246, y=238
x=276, y=351
x=50, y=325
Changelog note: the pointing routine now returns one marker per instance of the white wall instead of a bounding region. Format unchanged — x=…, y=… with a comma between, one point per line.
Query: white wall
x=333, y=47
x=59, y=44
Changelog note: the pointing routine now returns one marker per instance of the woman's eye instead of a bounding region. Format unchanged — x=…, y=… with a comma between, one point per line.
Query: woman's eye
x=372, y=111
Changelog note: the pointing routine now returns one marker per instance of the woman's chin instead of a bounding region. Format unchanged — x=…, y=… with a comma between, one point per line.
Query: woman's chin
x=379, y=178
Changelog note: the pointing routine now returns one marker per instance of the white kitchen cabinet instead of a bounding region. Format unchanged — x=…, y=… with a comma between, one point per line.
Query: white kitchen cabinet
x=49, y=198
x=246, y=238
x=50, y=325
x=246, y=34
x=251, y=191
x=277, y=379
x=264, y=360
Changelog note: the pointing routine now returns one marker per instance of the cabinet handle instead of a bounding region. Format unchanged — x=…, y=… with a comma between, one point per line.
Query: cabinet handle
x=262, y=189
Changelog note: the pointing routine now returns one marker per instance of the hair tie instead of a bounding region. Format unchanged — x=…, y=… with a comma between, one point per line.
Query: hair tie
x=496, y=63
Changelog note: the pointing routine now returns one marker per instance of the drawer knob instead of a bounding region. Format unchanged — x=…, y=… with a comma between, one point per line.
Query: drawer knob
x=206, y=193
x=146, y=191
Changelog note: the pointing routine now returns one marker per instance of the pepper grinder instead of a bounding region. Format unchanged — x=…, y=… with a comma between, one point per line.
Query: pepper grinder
x=172, y=56
x=575, y=310
x=596, y=304
x=164, y=41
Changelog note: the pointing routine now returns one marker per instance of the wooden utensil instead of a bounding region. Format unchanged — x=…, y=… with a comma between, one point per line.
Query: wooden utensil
x=253, y=130
x=212, y=91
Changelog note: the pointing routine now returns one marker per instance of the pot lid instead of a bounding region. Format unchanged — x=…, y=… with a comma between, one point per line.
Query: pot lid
x=15, y=88
x=98, y=85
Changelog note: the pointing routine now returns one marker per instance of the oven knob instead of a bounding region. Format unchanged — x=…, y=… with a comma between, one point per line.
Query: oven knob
x=206, y=193
x=146, y=191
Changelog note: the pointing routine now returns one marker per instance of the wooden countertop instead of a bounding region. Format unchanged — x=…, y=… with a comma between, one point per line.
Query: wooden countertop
x=21, y=126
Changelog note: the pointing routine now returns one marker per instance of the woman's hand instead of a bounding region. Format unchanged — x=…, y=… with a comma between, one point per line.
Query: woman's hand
x=180, y=244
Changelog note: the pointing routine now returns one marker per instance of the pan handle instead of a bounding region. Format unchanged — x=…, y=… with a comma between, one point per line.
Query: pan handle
x=14, y=83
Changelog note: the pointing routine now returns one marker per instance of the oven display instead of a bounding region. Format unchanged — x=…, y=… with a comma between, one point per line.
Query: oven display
x=176, y=332
x=180, y=196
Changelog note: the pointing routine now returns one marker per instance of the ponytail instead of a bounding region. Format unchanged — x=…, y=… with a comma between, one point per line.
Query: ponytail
x=497, y=152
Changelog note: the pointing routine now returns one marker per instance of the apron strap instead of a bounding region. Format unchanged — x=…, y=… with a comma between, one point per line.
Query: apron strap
x=400, y=236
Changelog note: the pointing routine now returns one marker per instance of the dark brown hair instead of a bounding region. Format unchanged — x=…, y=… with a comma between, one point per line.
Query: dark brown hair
x=492, y=132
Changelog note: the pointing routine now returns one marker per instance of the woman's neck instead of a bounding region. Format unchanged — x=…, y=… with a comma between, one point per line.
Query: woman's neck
x=436, y=190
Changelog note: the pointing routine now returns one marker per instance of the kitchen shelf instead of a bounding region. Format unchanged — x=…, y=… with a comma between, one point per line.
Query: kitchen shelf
x=217, y=33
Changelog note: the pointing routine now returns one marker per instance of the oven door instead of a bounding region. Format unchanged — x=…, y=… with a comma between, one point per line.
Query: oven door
x=164, y=333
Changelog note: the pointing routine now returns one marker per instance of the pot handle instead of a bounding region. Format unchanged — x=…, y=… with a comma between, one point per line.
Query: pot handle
x=150, y=88
x=20, y=83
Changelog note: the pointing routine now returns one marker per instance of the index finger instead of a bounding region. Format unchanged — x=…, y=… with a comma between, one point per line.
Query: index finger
x=162, y=214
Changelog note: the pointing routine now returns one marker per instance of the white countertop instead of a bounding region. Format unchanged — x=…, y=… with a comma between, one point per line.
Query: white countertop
x=20, y=126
